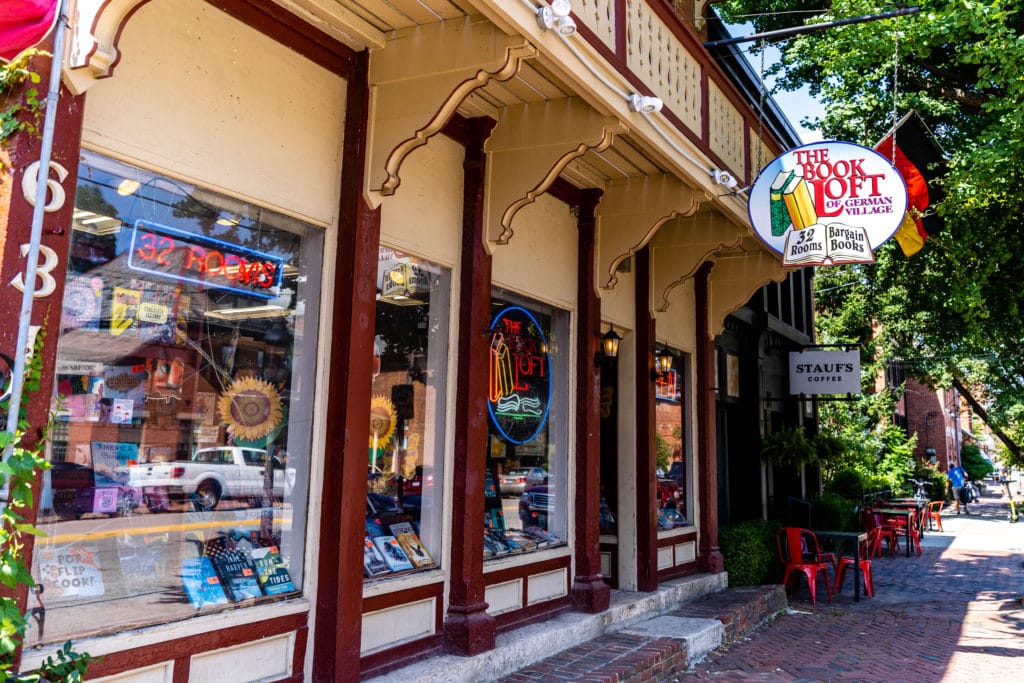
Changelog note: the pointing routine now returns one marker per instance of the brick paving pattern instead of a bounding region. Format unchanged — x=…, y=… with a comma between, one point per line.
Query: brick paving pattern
x=954, y=614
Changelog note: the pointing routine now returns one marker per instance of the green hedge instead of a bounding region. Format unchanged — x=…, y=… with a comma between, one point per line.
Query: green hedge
x=750, y=552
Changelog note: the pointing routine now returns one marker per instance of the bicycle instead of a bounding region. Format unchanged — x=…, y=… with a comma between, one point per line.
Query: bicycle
x=921, y=494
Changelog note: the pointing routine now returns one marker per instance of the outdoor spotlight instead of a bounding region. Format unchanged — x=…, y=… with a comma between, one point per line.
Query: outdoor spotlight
x=561, y=8
x=556, y=17
x=645, y=104
x=724, y=178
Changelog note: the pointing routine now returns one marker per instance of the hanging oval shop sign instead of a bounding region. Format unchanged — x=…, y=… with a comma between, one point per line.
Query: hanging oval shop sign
x=520, y=375
x=827, y=203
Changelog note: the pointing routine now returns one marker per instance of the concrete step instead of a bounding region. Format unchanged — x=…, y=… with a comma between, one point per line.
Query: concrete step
x=658, y=648
x=517, y=649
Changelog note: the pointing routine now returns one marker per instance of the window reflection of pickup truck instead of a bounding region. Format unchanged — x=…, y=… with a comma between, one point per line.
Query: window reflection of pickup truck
x=215, y=473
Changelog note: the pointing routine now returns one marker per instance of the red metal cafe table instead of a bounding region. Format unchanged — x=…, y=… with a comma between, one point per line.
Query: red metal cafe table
x=907, y=513
x=840, y=538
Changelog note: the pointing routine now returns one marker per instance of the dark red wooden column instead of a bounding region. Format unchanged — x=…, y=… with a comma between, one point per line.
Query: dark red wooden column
x=589, y=591
x=468, y=628
x=339, y=598
x=24, y=149
x=646, y=507
x=710, y=556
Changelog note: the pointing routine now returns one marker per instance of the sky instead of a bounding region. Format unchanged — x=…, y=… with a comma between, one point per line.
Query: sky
x=797, y=105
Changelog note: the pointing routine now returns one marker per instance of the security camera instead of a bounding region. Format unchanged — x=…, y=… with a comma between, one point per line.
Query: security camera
x=724, y=178
x=645, y=104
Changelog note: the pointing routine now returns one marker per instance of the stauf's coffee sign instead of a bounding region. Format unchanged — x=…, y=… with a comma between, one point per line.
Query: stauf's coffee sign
x=827, y=203
x=520, y=376
x=824, y=372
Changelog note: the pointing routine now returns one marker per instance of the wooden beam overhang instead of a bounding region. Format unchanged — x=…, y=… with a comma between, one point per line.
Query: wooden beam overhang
x=682, y=245
x=531, y=145
x=633, y=211
x=418, y=82
x=737, y=274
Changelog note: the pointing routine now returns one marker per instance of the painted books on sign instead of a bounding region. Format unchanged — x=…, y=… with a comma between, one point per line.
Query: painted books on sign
x=823, y=245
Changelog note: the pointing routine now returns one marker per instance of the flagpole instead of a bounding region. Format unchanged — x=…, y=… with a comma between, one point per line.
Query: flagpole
x=32, y=264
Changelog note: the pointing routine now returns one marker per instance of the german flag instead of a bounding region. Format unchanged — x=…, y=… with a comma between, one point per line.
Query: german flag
x=918, y=158
x=24, y=23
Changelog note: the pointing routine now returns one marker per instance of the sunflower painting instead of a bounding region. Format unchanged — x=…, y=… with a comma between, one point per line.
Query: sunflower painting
x=251, y=408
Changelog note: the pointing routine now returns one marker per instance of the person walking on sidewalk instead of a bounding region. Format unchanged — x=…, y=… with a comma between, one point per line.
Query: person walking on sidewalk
x=956, y=478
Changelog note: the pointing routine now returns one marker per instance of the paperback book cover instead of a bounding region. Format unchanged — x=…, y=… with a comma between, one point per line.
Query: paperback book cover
x=271, y=571
x=236, y=573
x=201, y=583
x=373, y=561
x=411, y=544
x=394, y=556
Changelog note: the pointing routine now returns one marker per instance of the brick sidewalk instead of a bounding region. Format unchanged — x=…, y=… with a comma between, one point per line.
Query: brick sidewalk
x=953, y=614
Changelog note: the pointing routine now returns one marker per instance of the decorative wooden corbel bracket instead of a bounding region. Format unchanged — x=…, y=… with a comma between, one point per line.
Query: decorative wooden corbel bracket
x=632, y=211
x=418, y=81
x=737, y=275
x=682, y=245
x=531, y=145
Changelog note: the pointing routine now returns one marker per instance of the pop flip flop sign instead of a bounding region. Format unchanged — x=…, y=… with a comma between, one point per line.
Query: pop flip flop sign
x=827, y=203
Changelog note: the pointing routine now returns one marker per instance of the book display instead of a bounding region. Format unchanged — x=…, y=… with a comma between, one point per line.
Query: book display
x=394, y=556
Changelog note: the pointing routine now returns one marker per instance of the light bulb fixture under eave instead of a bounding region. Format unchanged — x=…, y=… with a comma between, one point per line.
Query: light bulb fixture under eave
x=547, y=19
x=645, y=104
x=609, y=349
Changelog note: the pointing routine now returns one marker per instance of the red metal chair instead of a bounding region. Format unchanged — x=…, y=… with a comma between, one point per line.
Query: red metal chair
x=869, y=520
x=864, y=552
x=935, y=513
x=899, y=527
x=799, y=552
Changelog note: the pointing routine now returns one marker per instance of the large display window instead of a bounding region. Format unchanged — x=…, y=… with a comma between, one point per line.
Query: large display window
x=526, y=486
x=183, y=402
x=410, y=370
x=671, y=457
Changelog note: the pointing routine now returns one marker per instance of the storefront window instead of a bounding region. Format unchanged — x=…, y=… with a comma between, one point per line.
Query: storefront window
x=183, y=402
x=525, y=499
x=670, y=446
x=403, y=503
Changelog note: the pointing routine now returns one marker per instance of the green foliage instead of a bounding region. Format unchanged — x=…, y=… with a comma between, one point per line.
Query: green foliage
x=955, y=310
x=833, y=512
x=19, y=472
x=788, y=447
x=749, y=552
x=846, y=483
x=21, y=114
x=973, y=463
x=937, y=489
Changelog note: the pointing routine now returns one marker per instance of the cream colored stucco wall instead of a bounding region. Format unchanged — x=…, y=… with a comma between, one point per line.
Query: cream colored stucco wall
x=677, y=325
x=424, y=217
x=210, y=100
x=540, y=260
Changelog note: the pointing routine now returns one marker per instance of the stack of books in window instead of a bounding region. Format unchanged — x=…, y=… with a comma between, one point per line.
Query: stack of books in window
x=399, y=551
x=233, y=568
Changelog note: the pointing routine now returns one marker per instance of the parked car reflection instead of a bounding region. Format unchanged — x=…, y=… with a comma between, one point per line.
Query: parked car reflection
x=518, y=479
x=78, y=490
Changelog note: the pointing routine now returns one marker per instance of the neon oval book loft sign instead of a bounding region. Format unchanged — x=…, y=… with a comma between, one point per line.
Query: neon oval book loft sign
x=520, y=376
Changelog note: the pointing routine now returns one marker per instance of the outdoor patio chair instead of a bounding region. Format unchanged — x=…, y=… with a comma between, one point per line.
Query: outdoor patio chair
x=864, y=551
x=799, y=552
x=935, y=513
x=869, y=520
